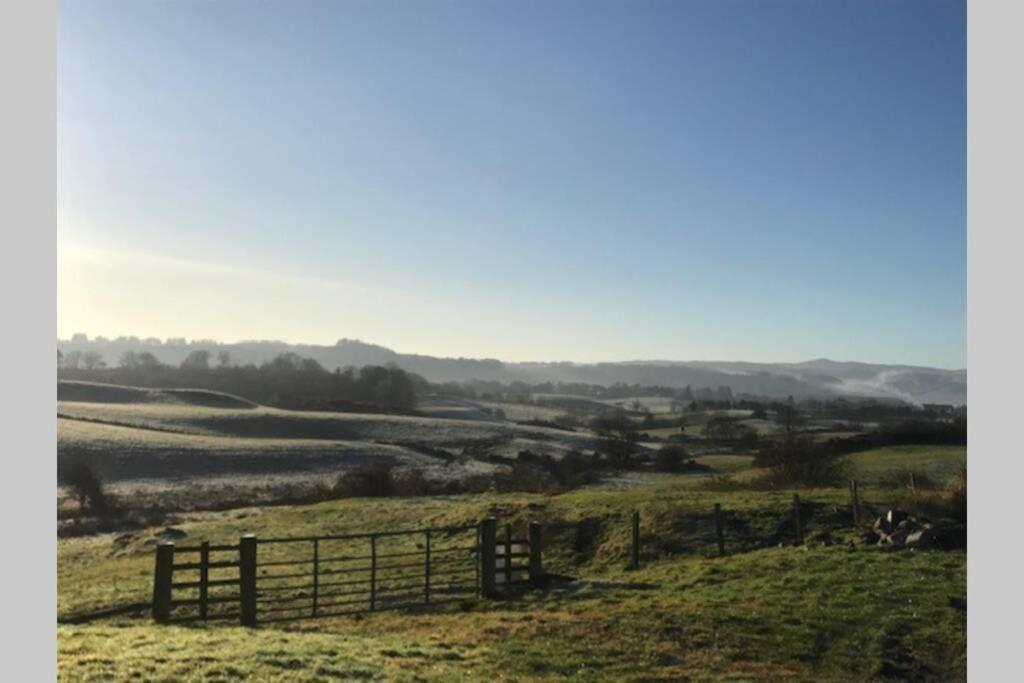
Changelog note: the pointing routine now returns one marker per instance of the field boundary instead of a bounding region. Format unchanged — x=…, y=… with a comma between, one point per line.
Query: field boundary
x=262, y=580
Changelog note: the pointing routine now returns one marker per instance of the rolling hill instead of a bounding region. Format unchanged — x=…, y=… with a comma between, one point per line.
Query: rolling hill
x=811, y=379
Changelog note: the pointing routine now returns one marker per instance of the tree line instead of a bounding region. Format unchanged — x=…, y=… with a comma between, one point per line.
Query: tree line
x=288, y=381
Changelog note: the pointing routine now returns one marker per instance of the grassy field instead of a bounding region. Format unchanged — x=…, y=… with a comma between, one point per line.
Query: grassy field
x=769, y=610
x=821, y=615
x=182, y=440
x=938, y=463
x=809, y=613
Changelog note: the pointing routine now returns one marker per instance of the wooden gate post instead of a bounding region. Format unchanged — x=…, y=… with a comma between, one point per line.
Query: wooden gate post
x=373, y=572
x=247, y=577
x=635, y=554
x=488, y=556
x=719, y=531
x=797, y=521
x=204, y=578
x=316, y=575
x=163, y=575
x=536, y=562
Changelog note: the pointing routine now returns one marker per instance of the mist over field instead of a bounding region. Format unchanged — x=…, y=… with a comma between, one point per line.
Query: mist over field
x=818, y=378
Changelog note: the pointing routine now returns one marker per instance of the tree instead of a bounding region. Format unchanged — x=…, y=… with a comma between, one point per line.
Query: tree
x=795, y=459
x=132, y=360
x=670, y=458
x=789, y=416
x=85, y=485
x=60, y=359
x=197, y=361
x=620, y=436
x=223, y=358
x=72, y=359
x=92, y=360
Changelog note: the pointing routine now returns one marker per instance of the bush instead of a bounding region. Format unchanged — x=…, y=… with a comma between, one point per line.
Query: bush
x=670, y=458
x=796, y=460
x=85, y=484
x=901, y=479
x=369, y=481
x=956, y=494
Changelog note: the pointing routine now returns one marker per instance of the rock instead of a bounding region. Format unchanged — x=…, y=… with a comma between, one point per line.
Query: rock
x=925, y=538
x=895, y=517
x=898, y=537
x=890, y=521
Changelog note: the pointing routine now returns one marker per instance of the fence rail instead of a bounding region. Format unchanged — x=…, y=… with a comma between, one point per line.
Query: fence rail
x=262, y=580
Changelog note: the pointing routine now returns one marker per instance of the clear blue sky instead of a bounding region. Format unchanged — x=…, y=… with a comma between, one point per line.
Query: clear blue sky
x=769, y=181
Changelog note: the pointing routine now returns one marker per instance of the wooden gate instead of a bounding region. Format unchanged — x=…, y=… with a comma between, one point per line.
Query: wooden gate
x=276, y=579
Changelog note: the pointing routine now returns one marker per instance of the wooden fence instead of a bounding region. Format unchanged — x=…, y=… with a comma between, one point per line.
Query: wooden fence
x=794, y=526
x=260, y=580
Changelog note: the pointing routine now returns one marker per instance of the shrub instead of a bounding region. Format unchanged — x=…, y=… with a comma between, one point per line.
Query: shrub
x=956, y=494
x=901, y=479
x=85, y=484
x=796, y=460
x=369, y=481
x=670, y=458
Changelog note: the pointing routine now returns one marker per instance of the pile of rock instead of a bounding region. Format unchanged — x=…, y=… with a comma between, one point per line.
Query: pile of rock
x=896, y=528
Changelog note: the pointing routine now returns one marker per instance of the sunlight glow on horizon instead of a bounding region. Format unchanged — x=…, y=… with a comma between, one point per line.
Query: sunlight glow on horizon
x=491, y=181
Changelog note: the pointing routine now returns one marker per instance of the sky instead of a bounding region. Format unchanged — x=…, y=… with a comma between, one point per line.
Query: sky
x=557, y=180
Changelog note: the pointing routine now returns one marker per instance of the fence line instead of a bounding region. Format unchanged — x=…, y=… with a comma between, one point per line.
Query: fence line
x=344, y=574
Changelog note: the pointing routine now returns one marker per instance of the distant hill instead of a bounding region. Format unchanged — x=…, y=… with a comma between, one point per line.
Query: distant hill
x=97, y=392
x=810, y=379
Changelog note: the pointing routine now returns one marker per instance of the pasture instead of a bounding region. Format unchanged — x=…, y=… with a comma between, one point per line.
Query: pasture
x=816, y=612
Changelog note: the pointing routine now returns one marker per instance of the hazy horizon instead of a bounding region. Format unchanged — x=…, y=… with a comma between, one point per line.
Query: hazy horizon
x=762, y=182
x=201, y=341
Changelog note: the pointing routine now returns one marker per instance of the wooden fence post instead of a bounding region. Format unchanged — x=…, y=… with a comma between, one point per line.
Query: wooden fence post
x=247, y=577
x=476, y=564
x=204, y=578
x=719, y=531
x=536, y=563
x=913, y=484
x=373, y=572
x=855, y=495
x=162, y=578
x=635, y=559
x=798, y=522
x=316, y=575
x=426, y=566
x=488, y=556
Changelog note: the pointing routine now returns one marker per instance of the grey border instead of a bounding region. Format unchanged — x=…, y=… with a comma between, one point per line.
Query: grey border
x=994, y=340
x=28, y=71
x=28, y=59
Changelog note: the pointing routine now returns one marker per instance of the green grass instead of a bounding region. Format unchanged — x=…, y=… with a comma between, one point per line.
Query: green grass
x=940, y=463
x=803, y=614
x=814, y=613
x=190, y=444
x=724, y=464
